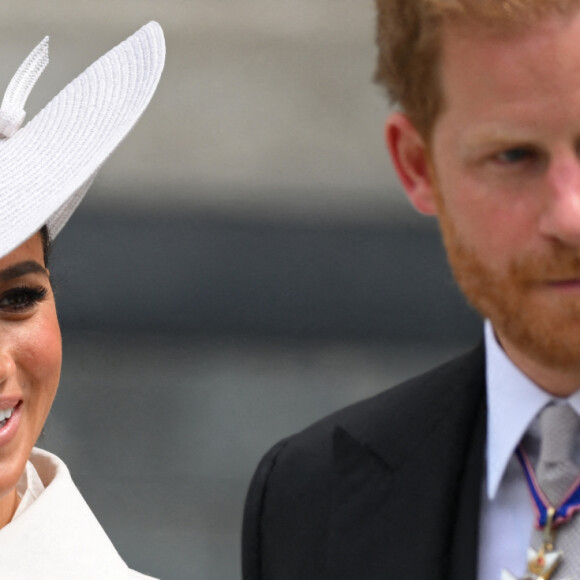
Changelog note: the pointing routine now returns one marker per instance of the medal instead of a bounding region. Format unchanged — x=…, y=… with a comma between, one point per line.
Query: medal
x=543, y=563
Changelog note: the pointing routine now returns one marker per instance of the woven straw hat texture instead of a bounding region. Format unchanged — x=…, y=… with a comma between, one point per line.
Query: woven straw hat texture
x=48, y=165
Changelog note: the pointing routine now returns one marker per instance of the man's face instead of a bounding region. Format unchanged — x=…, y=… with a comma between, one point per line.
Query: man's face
x=505, y=159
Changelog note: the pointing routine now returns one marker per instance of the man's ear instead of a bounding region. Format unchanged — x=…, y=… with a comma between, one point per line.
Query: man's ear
x=410, y=158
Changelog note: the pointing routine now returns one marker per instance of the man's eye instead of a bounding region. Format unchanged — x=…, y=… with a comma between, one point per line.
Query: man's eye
x=22, y=298
x=516, y=155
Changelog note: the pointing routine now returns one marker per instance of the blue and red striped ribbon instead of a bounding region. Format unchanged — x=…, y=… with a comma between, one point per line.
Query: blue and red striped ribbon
x=569, y=506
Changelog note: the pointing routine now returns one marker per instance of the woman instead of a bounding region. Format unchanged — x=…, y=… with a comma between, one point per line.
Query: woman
x=46, y=529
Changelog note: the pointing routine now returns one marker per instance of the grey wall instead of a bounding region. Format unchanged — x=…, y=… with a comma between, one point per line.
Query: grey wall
x=215, y=275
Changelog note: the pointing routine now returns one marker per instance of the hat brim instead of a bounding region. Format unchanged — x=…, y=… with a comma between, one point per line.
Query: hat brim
x=49, y=164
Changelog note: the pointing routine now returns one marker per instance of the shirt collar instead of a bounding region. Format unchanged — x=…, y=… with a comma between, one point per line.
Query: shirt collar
x=513, y=400
x=28, y=488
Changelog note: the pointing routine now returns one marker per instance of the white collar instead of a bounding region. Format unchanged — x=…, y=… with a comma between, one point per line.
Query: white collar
x=513, y=401
x=29, y=488
x=58, y=536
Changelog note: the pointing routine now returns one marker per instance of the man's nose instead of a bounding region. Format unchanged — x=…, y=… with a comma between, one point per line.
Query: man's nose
x=560, y=217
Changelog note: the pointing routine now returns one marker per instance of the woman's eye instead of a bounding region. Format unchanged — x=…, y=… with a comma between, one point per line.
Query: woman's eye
x=21, y=298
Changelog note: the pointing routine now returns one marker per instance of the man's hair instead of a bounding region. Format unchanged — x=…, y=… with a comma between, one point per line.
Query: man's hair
x=409, y=44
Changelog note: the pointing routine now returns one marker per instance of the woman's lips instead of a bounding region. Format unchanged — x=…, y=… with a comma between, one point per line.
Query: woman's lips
x=10, y=427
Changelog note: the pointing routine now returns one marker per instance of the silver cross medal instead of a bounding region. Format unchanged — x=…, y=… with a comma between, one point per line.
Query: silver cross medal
x=542, y=563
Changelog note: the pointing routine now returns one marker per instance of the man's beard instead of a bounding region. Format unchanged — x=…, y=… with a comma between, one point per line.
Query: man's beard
x=542, y=324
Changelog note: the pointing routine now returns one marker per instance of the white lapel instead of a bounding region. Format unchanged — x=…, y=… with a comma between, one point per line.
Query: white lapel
x=58, y=537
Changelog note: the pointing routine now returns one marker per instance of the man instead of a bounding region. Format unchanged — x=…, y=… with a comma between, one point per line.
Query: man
x=426, y=481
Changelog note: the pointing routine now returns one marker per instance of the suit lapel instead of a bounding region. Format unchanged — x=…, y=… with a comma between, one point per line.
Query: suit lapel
x=465, y=542
x=407, y=480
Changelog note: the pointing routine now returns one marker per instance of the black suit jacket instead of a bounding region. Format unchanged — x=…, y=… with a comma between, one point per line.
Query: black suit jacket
x=387, y=489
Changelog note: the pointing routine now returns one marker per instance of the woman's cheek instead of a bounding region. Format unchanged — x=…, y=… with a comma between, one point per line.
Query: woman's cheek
x=39, y=357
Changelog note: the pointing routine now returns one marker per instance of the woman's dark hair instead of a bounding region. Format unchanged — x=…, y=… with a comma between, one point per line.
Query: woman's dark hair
x=46, y=243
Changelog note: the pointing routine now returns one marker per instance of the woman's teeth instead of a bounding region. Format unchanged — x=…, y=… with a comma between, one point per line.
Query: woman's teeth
x=5, y=414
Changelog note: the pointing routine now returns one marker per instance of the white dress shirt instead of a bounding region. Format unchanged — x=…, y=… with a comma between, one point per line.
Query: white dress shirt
x=513, y=403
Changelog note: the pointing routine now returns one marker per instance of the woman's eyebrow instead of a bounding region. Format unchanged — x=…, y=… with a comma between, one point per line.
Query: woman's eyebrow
x=21, y=269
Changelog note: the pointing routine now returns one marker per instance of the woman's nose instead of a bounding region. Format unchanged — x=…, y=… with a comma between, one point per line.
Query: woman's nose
x=7, y=364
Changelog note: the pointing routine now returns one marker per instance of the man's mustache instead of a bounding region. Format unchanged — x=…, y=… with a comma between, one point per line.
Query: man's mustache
x=557, y=265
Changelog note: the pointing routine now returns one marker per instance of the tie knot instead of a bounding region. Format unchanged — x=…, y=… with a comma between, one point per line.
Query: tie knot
x=556, y=469
x=559, y=425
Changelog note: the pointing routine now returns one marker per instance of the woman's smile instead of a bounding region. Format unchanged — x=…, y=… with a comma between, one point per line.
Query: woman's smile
x=5, y=415
x=10, y=421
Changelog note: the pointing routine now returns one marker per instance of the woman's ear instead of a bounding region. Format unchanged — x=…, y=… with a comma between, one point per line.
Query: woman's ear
x=410, y=158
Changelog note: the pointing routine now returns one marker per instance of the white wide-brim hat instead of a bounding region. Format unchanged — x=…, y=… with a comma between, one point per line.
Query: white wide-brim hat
x=47, y=166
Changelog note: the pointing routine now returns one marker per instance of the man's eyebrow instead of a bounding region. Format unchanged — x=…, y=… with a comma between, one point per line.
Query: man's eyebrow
x=21, y=269
x=497, y=136
x=489, y=141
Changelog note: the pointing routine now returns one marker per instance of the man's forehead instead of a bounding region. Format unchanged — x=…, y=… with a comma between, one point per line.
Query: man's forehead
x=475, y=57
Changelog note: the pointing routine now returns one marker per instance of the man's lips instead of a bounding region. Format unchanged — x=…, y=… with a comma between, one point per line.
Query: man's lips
x=564, y=284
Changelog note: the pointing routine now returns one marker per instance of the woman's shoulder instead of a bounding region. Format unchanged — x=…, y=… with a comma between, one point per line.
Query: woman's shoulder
x=134, y=575
x=60, y=535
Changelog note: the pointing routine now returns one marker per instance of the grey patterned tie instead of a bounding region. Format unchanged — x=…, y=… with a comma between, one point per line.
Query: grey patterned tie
x=556, y=472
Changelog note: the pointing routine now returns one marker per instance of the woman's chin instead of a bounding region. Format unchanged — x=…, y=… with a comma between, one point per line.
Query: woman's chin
x=13, y=458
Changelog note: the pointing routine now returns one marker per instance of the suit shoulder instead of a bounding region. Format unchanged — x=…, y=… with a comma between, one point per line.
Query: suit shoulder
x=413, y=400
x=293, y=482
x=410, y=401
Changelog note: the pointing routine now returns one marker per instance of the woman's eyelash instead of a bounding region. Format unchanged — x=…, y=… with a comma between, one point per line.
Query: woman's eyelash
x=22, y=297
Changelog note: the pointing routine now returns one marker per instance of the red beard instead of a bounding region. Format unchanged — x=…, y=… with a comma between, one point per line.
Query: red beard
x=542, y=323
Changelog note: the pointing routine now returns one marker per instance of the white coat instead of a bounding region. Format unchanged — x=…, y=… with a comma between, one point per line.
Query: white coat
x=58, y=537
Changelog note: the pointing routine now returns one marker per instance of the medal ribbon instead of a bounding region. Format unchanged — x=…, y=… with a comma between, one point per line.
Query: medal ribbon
x=569, y=506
